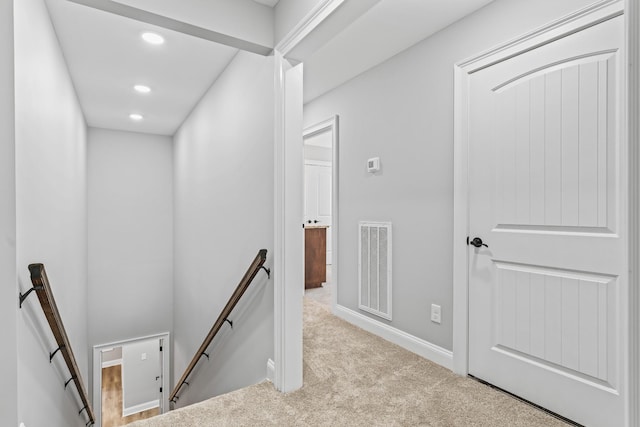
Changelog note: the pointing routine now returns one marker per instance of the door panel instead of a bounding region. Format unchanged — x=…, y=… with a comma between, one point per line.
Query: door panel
x=554, y=146
x=318, y=198
x=544, y=195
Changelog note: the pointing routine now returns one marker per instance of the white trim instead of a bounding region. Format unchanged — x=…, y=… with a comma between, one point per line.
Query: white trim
x=111, y=363
x=317, y=163
x=409, y=342
x=97, y=370
x=331, y=124
x=279, y=315
x=632, y=126
x=271, y=370
x=335, y=208
x=288, y=238
x=321, y=11
x=460, y=226
x=323, y=126
x=140, y=408
x=287, y=294
x=586, y=17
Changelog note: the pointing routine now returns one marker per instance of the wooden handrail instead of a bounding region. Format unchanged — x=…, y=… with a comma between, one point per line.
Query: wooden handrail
x=255, y=266
x=50, y=309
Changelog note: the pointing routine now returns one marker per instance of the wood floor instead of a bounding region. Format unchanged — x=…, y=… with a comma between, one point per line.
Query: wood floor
x=112, y=400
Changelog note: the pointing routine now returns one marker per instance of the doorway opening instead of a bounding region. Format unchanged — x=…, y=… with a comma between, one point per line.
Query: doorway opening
x=130, y=380
x=321, y=211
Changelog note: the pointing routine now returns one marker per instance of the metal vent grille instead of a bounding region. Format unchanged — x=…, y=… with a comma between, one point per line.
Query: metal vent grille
x=374, y=268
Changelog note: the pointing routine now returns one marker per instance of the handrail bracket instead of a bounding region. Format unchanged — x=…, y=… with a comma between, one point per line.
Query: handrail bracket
x=67, y=383
x=51, y=355
x=267, y=270
x=24, y=297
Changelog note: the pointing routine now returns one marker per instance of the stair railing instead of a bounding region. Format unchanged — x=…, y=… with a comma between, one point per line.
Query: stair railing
x=254, y=268
x=42, y=288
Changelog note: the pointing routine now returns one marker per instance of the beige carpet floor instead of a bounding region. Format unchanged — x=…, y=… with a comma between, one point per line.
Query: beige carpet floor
x=353, y=378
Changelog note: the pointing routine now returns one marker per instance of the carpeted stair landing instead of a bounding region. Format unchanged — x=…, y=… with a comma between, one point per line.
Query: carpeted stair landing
x=353, y=378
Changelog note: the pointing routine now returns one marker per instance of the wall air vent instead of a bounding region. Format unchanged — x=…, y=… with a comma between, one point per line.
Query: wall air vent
x=374, y=268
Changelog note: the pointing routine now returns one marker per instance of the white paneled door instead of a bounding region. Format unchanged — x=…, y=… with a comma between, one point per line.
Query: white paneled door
x=317, y=197
x=545, y=300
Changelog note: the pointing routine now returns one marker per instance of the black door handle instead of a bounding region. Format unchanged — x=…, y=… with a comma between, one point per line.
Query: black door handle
x=477, y=242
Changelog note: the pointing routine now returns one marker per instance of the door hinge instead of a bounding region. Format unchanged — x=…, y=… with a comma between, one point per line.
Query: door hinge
x=467, y=240
x=160, y=389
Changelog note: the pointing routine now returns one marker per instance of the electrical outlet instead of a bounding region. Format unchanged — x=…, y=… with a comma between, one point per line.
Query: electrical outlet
x=435, y=313
x=143, y=356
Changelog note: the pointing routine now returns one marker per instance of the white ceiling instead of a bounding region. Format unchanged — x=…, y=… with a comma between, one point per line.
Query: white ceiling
x=106, y=56
x=386, y=29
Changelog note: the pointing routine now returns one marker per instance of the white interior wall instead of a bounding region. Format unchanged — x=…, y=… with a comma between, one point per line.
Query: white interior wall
x=130, y=180
x=223, y=180
x=8, y=289
x=402, y=111
x=51, y=217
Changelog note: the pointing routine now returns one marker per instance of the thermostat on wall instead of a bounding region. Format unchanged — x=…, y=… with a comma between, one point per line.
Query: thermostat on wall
x=373, y=165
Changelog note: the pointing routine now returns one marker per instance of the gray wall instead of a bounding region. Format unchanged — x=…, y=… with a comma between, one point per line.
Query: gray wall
x=8, y=290
x=130, y=180
x=402, y=111
x=109, y=356
x=51, y=217
x=223, y=180
x=139, y=385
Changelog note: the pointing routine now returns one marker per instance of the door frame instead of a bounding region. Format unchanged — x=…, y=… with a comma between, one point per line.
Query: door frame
x=331, y=125
x=630, y=208
x=288, y=293
x=97, y=370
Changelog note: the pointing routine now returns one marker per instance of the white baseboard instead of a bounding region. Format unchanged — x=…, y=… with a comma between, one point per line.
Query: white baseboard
x=140, y=408
x=271, y=370
x=409, y=342
x=110, y=363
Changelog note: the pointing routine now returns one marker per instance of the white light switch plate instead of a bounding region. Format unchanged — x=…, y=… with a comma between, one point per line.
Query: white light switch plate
x=435, y=313
x=373, y=165
x=144, y=356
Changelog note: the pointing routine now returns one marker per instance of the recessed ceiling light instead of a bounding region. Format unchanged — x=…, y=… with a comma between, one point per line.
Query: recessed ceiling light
x=153, y=38
x=142, y=89
x=136, y=117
